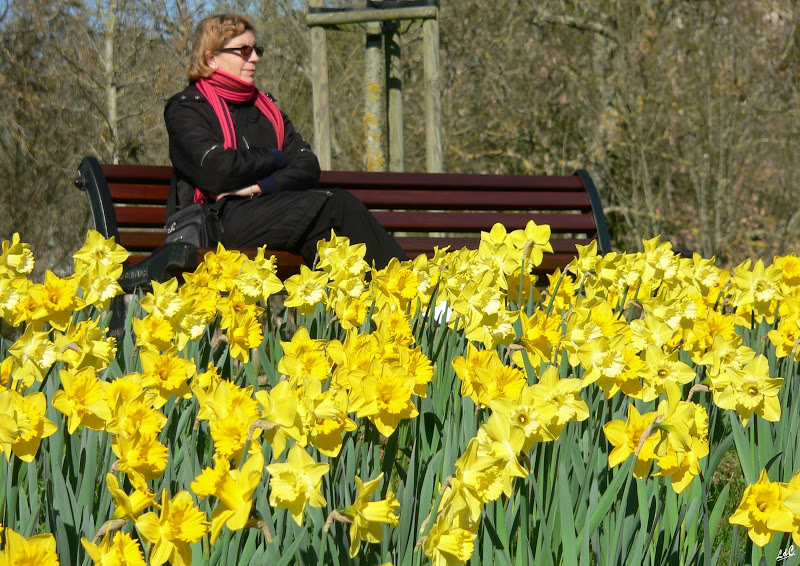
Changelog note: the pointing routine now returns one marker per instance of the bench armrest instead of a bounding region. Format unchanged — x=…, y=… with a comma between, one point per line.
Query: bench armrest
x=91, y=180
x=164, y=263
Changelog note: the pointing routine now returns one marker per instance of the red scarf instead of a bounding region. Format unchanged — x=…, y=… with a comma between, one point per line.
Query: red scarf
x=222, y=87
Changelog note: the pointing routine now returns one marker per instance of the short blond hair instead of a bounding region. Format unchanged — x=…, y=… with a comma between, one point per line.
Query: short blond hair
x=210, y=36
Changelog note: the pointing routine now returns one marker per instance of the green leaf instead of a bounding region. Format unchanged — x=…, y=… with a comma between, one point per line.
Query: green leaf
x=568, y=536
x=719, y=507
x=743, y=449
x=609, y=497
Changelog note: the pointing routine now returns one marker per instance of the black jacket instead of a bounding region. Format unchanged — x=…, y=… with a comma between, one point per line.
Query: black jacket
x=197, y=154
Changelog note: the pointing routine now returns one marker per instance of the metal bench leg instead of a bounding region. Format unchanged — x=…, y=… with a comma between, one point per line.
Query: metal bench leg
x=119, y=312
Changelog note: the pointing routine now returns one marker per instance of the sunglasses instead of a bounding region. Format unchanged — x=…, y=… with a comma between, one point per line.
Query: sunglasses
x=244, y=51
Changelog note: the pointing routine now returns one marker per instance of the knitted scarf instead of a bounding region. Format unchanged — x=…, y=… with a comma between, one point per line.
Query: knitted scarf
x=222, y=87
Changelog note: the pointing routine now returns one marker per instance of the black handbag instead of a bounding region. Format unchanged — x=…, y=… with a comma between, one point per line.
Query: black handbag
x=197, y=224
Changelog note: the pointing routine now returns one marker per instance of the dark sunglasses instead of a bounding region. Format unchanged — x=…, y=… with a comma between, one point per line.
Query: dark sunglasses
x=243, y=51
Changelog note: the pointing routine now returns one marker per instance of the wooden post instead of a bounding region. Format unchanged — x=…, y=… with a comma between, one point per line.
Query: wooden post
x=320, y=93
x=394, y=98
x=433, y=100
x=379, y=69
x=373, y=99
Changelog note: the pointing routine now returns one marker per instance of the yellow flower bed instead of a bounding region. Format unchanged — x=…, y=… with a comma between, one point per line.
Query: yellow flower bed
x=440, y=410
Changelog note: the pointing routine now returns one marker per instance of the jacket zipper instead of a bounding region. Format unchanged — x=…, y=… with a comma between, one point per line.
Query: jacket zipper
x=213, y=147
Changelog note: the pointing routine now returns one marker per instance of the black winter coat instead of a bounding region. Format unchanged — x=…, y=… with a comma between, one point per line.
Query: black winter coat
x=196, y=148
x=283, y=214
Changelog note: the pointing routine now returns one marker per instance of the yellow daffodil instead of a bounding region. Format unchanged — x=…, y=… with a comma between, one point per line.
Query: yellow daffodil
x=297, y=483
x=129, y=507
x=603, y=358
x=122, y=550
x=420, y=366
x=330, y=421
x=179, y=524
x=660, y=369
x=660, y=262
x=723, y=355
x=792, y=503
x=85, y=344
x=650, y=331
x=257, y=280
x=466, y=369
x=279, y=407
x=304, y=357
x=540, y=336
x=99, y=287
x=209, y=480
x=387, y=395
x=231, y=431
x=368, y=515
x=340, y=259
x=395, y=324
x=235, y=494
x=244, y=334
x=507, y=383
x=16, y=258
x=499, y=439
x=223, y=266
x=164, y=300
x=141, y=457
x=532, y=241
x=82, y=400
x=396, y=285
x=13, y=294
x=751, y=391
x=39, y=550
x=559, y=399
x=524, y=413
x=35, y=353
x=448, y=543
x=166, y=374
x=762, y=511
x=129, y=417
x=785, y=337
x=492, y=329
x=233, y=305
x=478, y=480
x=23, y=424
x=153, y=332
x=626, y=437
x=306, y=290
x=756, y=290
x=560, y=290
x=350, y=311
x=98, y=254
x=682, y=467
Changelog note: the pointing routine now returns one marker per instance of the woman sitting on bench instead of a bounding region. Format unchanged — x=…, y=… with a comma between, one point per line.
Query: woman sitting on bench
x=230, y=145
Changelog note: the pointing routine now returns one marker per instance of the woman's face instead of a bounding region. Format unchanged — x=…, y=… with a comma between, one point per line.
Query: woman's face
x=233, y=62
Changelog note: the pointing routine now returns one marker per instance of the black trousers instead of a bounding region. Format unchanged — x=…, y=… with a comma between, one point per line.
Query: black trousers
x=296, y=220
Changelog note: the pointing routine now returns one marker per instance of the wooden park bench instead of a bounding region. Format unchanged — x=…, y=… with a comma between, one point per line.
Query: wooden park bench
x=423, y=210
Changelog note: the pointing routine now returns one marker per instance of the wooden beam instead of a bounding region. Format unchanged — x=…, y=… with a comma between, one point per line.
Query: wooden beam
x=433, y=98
x=320, y=94
x=370, y=15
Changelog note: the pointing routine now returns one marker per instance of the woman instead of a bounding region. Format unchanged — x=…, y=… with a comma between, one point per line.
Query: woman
x=230, y=145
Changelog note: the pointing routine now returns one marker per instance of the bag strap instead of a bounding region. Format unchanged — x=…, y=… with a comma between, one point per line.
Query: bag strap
x=172, y=195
